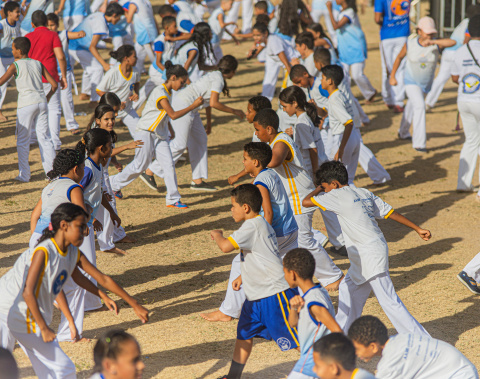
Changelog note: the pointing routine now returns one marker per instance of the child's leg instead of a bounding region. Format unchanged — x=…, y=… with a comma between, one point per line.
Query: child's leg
x=470, y=114
x=417, y=99
x=393, y=307
x=76, y=303
x=473, y=268
x=25, y=122
x=270, y=79
x=442, y=77
x=141, y=55
x=92, y=73
x=233, y=302
x=105, y=236
x=351, y=154
x=131, y=121
x=389, y=50
x=163, y=155
x=54, y=115
x=242, y=351
x=155, y=79
x=197, y=148
x=247, y=16
x=362, y=81
x=371, y=165
x=331, y=31
x=4, y=63
x=363, y=116
x=92, y=302
x=407, y=117
x=45, y=144
x=232, y=16
x=67, y=103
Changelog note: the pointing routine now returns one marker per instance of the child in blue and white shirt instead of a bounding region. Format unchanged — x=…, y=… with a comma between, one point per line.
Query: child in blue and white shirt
x=74, y=11
x=217, y=24
x=46, y=6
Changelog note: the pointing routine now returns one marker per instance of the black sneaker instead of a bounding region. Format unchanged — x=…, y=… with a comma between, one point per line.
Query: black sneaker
x=149, y=180
x=468, y=282
x=342, y=251
x=203, y=186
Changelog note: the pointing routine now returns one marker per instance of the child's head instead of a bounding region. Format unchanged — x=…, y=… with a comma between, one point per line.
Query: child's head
x=256, y=156
x=333, y=355
x=369, y=335
x=20, y=47
x=256, y=104
x=298, y=266
x=292, y=99
x=52, y=22
x=8, y=366
x=322, y=58
x=266, y=124
x=111, y=99
x=246, y=200
x=176, y=74
x=68, y=161
x=125, y=53
x=474, y=26
x=70, y=220
x=260, y=32
x=261, y=7
x=426, y=28
x=226, y=5
x=105, y=119
x=331, y=175
x=166, y=10
x=114, y=12
x=39, y=18
x=96, y=141
x=332, y=76
x=228, y=67
x=304, y=43
x=201, y=37
x=12, y=10
x=262, y=19
x=316, y=30
x=169, y=24
x=299, y=76
x=117, y=354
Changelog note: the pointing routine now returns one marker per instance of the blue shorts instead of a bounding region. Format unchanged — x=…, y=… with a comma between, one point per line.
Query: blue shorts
x=268, y=318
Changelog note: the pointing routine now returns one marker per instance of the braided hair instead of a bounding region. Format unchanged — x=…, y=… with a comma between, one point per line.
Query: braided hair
x=227, y=65
x=65, y=160
x=201, y=36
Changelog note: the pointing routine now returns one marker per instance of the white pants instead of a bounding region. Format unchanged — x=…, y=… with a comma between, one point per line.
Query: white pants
x=272, y=68
x=473, y=268
x=317, y=14
x=67, y=102
x=88, y=249
x=130, y=118
x=352, y=298
x=54, y=115
x=444, y=74
x=200, y=9
x=92, y=72
x=360, y=78
x=351, y=153
x=414, y=114
x=155, y=79
x=371, y=165
x=156, y=148
x=48, y=359
x=299, y=375
x=247, y=16
x=389, y=50
x=470, y=114
x=232, y=16
x=4, y=64
x=28, y=118
x=71, y=22
x=334, y=230
x=143, y=51
x=233, y=302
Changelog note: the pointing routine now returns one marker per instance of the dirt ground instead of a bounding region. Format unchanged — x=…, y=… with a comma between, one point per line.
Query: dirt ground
x=176, y=270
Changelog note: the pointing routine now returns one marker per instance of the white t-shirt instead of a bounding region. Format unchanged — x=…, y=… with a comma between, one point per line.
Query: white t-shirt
x=155, y=119
x=9, y=33
x=357, y=210
x=28, y=79
x=303, y=136
x=340, y=112
x=469, y=73
x=410, y=356
x=421, y=64
x=309, y=64
x=262, y=268
x=276, y=45
x=210, y=82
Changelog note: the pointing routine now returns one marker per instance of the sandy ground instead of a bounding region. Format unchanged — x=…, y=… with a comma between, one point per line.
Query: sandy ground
x=176, y=270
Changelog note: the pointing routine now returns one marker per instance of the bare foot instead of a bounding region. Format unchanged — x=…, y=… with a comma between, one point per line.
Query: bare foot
x=216, y=316
x=103, y=308
x=84, y=96
x=74, y=132
x=83, y=339
x=116, y=250
x=127, y=239
x=3, y=118
x=371, y=99
x=334, y=286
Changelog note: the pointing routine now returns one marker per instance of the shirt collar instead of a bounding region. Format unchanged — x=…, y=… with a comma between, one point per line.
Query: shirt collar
x=96, y=166
x=166, y=89
x=305, y=294
x=333, y=92
x=15, y=23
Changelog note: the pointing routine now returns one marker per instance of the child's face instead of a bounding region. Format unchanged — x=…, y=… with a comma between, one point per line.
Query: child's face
x=250, y=113
x=132, y=59
x=238, y=211
x=171, y=29
x=318, y=65
x=327, y=187
x=302, y=81
x=365, y=353
x=261, y=132
x=249, y=163
x=323, y=369
x=259, y=37
x=290, y=278
x=227, y=5
x=290, y=109
x=115, y=18
x=107, y=121
x=52, y=26
x=78, y=172
x=230, y=75
x=106, y=151
x=15, y=14
x=302, y=49
x=178, y=83
x=75, y=230
x=425, y=36
x=16, y=53
x=258, y=11
x=128, y=364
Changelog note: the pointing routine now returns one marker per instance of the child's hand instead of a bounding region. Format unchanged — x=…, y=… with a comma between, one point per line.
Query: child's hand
x=329, y=5
x=81, y=34
x=239, y=113
x=338, y=155
x=48, y=334
x=424, y=234
x=198, y=101
x=106, y=67
x=141, y=312
x=289, y=131
x=107, y=196
x=296, y=303
x=118, y=166
x=97, y=225
x=115, y=219
x=74, y=332
x=232, y=179
x=134, y=145
x=134, y=97
x=294, y=61
x=109, y=303
x=216, y=233
x=393, y=81
x=237, y=283
x=123, y=105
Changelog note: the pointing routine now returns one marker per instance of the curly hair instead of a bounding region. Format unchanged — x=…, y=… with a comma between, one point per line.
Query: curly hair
x=65, y=160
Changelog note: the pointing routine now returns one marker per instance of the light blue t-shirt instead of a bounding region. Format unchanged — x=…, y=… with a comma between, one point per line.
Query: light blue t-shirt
x=352, y=46
x=76, y=8
x=144, y=22
x=458, y=35
x=217, y=30
x=94, y=24
x=396, y=18
x=35, y=5
x=283, y=221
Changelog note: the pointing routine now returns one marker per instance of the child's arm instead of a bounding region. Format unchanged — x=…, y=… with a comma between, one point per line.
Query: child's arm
x=190, y=57
x=93, y=49
x=314, y=159
x=181, y=37
x=307, y=202
x=208, y=114
x=136, y=89
x=76, y=35
x=321, y=314
x=336, y=25
x=345, y=137
x=284, y=60
x=443, y=42
x=132, y=8
x=76, y=197
x=116, y=220
x=280, y=152
x=52, y=82
x=63, y=305
x=396, y=65
x=158, y=60
x=266, y=203
x=423, y=233
x=163, y=103
x=129, y=146
x=322, y=42
x=222, y=22
x=235, y=178
x=60, y=7
x=37, y=211
x=223, y=243
x=215, y=103
x=11, y=70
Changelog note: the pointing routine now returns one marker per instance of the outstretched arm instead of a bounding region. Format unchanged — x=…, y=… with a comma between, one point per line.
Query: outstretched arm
x=423, y=233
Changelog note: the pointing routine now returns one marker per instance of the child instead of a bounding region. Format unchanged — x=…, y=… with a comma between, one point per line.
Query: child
x=183, y=13
x=288, y=164
x=45, y=6
x=218, y=26
x=422, y=56
x=32, y=107
x=124, y=80
x=153, y=130
x=26, y=304
x=320, y=39
x=352, y=46
x=334, y=357
x=319, y=10
x=275, y=209
x=410, y=356
x=312, y=313
x=265, y=311
x=9, y=30
x=357, y=209
x=74, y=11
x=117, y=355
x=304, y=43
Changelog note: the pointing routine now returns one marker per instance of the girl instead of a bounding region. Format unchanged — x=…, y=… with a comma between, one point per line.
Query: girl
x=292, y=13
x=35, y=281
x=124, y=80
x=352, y=46
x=305, y=132
x=117, y=355
x=422, y=56
x=153, y=129
x=322, y=40
x=320, y=10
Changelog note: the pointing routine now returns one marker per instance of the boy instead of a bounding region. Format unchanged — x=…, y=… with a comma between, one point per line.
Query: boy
x=287, y=162
x=32, y=107
x=265, y=311
x=312, y=313
x=218, y=24
x=275, y=209
x=186, y=21
x=304, y=44
x=357, y=209
x=408, y=356
x=334, y=357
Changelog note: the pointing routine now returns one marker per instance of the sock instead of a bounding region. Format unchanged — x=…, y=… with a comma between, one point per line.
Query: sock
x=236, y=370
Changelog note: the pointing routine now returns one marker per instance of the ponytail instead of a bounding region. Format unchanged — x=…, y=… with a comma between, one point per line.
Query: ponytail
x=227, y=65
x=93, y=139
x=122, y=52
x=175, y=69
x=201, y=37
x=65, y=160
x=311, y=110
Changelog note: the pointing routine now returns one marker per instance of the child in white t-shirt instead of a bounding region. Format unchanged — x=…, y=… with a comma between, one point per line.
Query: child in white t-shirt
x=218, y=25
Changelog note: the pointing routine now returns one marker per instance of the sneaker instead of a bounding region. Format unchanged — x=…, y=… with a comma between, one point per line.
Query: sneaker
x=178, y=204
x=203, y=186
x=468, y=282
x=118, y=194
x=421, y=149
x=23, y=180
x=409, y=138
x=398, y=109
x=149, y=180
x=342, y=251
x=428, y=109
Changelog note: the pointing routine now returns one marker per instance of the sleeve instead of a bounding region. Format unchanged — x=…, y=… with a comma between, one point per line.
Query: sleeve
x=105, y=83
x=187, y=25
x=381, y=209
x=218, y=83
x=337, y=109
x=455, y=69
x=348, y=13
x=243, y=237
x=70, y=190
x=304, y=137
x=159, y=47
x=327, y=202
x=56, y=41
x=175, y=8
x=275, y=45
x=101, y=27
x=159, y=95
x=87, y=177
x=378, y=6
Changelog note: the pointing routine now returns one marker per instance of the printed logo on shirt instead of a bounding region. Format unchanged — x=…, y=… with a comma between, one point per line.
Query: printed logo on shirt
x=471, y=83
x=59, y=281
x=131, y=86
x=242, y=257
x=400, y=7
x=284, y=344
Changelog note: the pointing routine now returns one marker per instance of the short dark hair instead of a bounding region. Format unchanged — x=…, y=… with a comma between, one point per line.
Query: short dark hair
x=261, y=27
x=8, y=366
x=267, y=117
x=167, y=21
x=322, y=55
x=262, y=5
x=262, y=19
x=166, y=9
x=248, y=194
x=334, y=72
x=259, y=102
x=307, y=39
x=330, y=171
x=301, y=261
x=39, y=18
x=474, y=26
x=367, y=330
x=259, y=151
x=53, y=18
x=10, y=6
x=298, y=71
x=110, y=346
x=114, y=9
x=23, y=44
x=339, y=348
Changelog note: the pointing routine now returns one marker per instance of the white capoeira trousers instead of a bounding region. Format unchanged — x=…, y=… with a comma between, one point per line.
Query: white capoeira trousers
x=143, y=51
x=153, y=147
x=352, y=298
x=4, y=64
x=155, y=79
x=414, y=114
x=88, y=249
x=272, y=68
x=444, y=74
x=32, y=117
x=54, y=115
x=48, y=359
x=358, y=75
x=470, y=114
x=130, y=118
x=473, y=268
x=351, y=153
x=247, y=16
x=371, y=165
x=66, y=99
x=71, y=22
x=389, y=50
x=92, y=72
x=206, y=6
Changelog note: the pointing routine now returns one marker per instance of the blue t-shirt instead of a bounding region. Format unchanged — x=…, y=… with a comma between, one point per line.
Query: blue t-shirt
x=76, y=8
x=396, y=18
